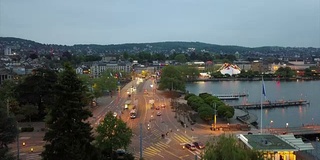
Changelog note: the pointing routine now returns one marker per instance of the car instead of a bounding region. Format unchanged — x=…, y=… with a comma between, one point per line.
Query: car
x=199, y=145
x=189, y=146
x=157, y=108
x=115, y=114
x=159, y=113
x=163, y=106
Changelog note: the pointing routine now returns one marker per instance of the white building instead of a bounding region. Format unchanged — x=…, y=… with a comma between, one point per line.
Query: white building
x=98, y=68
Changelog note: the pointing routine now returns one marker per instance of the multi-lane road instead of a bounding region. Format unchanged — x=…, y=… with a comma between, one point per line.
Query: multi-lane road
x=162, y=136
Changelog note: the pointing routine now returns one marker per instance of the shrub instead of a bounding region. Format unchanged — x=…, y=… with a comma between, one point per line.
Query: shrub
x=27, y=129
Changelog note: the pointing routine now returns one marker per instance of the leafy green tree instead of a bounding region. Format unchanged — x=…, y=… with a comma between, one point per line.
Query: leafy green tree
x=37, y=89
x=308, y=72
x=8, y=133
x=113, y=134
x=180, y=58
x=285, y=72
x=228, y=148
x=206, y=113
x=204, y=95
x=195, y=102
x=171, y=78
x=29, y=110
x=7, y=90
x=68, y=135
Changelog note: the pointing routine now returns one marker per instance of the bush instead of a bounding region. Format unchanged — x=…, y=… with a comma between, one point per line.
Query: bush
x=27, y=129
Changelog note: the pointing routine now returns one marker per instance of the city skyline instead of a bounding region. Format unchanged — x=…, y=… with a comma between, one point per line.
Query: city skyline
x=244, y=23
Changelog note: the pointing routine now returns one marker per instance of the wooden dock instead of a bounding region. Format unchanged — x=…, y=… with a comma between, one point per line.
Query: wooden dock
x=269, y=104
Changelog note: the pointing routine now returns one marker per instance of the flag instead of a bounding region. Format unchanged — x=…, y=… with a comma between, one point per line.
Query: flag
x=120, y=74
x=111, y=74
x=264, y=90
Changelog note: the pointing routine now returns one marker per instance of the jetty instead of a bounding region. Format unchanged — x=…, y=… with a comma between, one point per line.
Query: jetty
x=269, y=104
x=235, y=96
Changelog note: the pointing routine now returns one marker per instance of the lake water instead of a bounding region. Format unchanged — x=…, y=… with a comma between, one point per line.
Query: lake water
x=275, y=91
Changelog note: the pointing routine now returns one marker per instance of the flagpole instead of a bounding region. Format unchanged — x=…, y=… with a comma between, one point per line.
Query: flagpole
x=262, y=91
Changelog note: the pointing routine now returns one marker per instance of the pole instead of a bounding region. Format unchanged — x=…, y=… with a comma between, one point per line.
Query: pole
x=18, y=144
x=119, y=90
x=140, y=140
x=261, y=106
x=215, y=116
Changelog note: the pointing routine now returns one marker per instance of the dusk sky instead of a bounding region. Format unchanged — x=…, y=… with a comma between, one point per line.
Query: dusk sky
x=250, y=23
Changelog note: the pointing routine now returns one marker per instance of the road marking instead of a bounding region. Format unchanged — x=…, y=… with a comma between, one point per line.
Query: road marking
x=160, y=155
x=172, y=154
x=168, y=140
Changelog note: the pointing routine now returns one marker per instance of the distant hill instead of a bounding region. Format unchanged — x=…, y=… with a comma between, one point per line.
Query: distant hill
x=158, y=47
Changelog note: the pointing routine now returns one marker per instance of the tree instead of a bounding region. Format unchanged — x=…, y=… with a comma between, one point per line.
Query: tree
x=36, y=89
x=180, y=58
x=8, y=133
x=68, y=135
x=206, y=113
x=113, y=134
x=228, y=148
x=29, y=110
x=171, y=78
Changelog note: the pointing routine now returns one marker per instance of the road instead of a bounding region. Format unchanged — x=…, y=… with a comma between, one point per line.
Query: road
x=153, y=145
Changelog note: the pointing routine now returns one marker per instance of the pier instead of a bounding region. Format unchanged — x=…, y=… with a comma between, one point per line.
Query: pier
x=231, y=96
x=297, y=131
x=269, y=104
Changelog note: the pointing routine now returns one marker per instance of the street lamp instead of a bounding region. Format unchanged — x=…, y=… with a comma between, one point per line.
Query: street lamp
x=287, y=124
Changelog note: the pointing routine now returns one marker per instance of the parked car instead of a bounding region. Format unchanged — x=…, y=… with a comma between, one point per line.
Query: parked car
x=159, y=113
x=199, y=145
x=157, y=108
x=163, y=106
x=189, y=146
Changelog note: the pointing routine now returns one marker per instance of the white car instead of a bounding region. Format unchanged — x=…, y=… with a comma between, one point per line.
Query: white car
x=159, y=113
x=115, y=114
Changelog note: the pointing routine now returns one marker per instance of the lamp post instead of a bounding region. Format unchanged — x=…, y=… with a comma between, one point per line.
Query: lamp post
x=287, y=124
x=271, y=125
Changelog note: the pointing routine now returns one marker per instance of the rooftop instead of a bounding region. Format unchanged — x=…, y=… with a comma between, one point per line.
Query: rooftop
x=269, y=142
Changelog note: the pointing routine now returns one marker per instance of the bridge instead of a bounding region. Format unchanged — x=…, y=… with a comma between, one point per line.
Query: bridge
x=269, y=104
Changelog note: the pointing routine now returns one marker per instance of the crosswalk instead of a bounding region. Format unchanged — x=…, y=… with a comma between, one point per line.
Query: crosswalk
x=181, y=138
x=155, y=150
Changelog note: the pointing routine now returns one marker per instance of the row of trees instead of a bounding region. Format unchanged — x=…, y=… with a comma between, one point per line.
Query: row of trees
x=68, y=133
x=205, y=104
x=145, y=57
x=29, y=96
x=69, y=136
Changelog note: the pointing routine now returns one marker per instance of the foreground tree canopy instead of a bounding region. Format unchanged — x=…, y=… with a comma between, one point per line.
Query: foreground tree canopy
x=68, y=135
x=228, y=148
x=113, y=134
x=8, y=133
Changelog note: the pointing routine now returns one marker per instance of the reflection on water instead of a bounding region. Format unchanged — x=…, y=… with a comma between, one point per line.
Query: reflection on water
x=276, y=91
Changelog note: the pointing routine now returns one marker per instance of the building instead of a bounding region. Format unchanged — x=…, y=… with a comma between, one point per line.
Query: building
x=243, y=65
x=98, y=68
x=259, y=66
x=7, y=51
x=5, y=74
x=275, y=147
